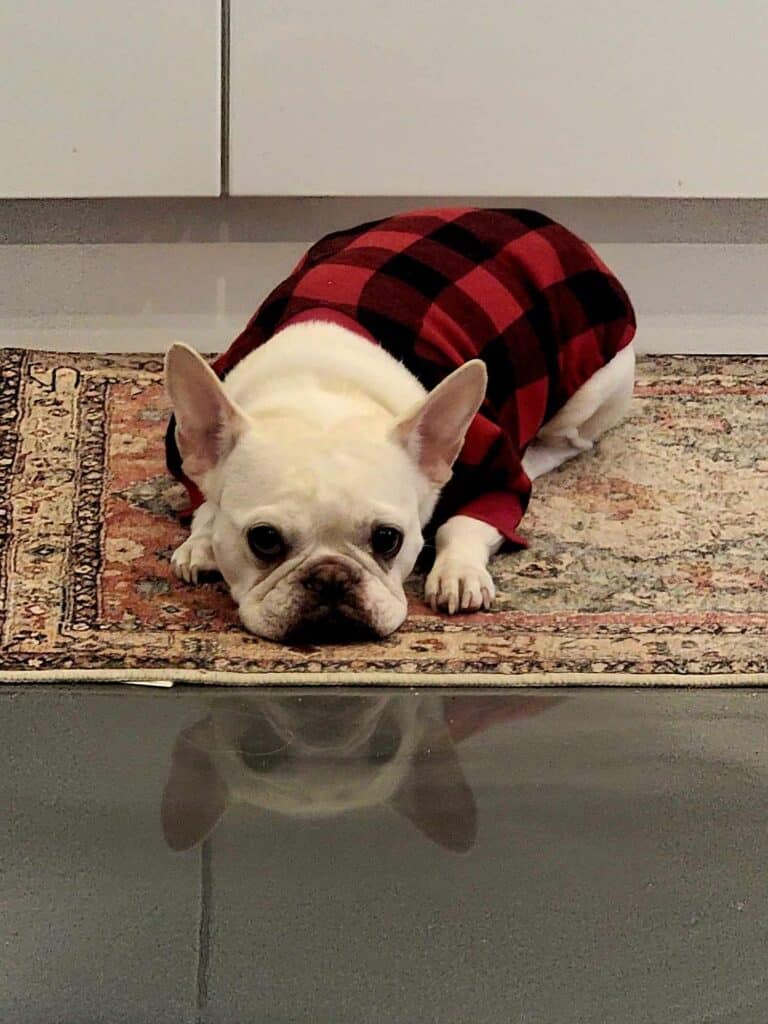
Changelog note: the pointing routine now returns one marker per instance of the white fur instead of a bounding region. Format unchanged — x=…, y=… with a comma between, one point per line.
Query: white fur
x=322, y=434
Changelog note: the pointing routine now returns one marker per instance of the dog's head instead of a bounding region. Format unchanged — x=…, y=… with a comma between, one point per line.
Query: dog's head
x=320, y=497
x=318, y=756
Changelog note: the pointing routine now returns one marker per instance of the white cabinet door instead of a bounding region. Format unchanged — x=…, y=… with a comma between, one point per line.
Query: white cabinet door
x=500, y=97
x=109, y=99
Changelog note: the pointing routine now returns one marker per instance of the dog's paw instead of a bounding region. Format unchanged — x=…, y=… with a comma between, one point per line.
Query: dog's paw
x=458, y=586
x=193, y=557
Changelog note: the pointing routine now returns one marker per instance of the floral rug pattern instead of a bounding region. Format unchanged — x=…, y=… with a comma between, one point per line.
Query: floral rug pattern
x=648, y=560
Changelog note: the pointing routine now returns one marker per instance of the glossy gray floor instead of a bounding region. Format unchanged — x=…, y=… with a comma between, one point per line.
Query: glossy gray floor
x=525, y=856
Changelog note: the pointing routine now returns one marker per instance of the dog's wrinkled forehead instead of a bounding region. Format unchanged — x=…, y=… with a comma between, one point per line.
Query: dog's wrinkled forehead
x=338, y=474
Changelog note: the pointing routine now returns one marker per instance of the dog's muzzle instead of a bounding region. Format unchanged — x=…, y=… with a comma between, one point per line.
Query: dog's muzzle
x=330, y=584
x=332, y=611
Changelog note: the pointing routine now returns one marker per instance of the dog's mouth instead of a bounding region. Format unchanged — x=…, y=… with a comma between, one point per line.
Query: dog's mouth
x=334, y=627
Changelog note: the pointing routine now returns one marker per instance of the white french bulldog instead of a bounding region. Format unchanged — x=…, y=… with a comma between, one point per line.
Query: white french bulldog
x=321, y=459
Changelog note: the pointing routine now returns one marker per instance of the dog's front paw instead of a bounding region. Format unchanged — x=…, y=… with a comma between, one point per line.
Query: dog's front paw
x=193, y=557
x=458, y=586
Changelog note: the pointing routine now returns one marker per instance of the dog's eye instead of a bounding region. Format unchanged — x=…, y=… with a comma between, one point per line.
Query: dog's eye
x=266, y=542
x=386, y=541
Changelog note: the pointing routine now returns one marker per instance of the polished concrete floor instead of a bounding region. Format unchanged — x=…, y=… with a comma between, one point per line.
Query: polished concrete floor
x=326, y=856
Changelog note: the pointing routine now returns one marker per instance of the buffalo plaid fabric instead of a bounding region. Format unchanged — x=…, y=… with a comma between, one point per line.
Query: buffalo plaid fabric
x=436, y=288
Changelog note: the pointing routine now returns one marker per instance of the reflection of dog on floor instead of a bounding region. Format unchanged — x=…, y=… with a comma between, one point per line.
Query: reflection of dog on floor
x=323, y=755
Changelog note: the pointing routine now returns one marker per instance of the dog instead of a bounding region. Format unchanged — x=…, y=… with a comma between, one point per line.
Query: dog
x=319, y=756
x=416, y=373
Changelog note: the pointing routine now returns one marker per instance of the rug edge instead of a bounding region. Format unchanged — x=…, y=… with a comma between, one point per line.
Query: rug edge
x=158, y=677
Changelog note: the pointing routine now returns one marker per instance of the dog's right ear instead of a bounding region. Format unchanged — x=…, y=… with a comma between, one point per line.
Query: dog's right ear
x=207, y=422
x=195, y=796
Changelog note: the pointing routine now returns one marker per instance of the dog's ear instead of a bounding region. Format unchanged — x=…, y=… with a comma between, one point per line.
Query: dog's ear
x=207, y=422
x=195, y=796
x=435, y=796
x=434, y=431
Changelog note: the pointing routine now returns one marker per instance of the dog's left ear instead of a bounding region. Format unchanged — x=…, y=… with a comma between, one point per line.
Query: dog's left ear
x=434, y=431
x=195, y=796
x=207, y=422
x=435, y=795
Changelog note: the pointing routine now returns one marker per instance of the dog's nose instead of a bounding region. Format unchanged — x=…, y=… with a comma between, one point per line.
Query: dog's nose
x=331, y=581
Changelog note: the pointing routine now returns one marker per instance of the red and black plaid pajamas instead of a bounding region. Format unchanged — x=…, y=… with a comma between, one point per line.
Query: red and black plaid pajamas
x=436, y=288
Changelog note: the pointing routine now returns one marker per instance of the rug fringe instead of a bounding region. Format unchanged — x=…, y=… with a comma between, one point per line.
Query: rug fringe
x=413, y=679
